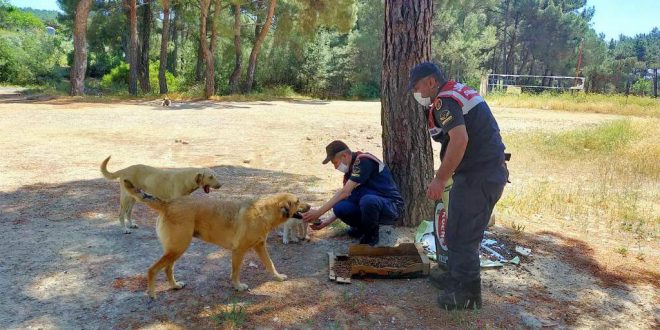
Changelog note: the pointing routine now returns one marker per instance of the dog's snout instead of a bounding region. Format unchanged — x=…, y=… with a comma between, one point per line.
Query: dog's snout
x=304, y=207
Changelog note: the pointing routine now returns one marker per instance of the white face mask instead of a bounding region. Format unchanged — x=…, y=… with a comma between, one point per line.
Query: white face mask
x=424, y=101
x=342, y=168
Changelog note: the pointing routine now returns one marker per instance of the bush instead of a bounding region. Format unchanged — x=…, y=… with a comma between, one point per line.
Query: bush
x=642, y=87
x=27, y=58
x=364, y=91
x=117, y=78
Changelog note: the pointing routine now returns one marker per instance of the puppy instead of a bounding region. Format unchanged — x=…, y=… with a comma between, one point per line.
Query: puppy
x=163, y=184
x=238, y=226
x=166, y=102
x=294, y=230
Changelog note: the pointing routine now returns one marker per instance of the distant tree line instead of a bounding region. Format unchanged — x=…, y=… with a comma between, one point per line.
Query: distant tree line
x=325, y=48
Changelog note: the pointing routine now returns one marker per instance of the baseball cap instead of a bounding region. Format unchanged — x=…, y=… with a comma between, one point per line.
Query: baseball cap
x=423, y=70
x=333, y=148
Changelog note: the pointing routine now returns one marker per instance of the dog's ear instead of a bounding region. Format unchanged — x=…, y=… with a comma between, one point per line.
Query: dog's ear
x=198, y=178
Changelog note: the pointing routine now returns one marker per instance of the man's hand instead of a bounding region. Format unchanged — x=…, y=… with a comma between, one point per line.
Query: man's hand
x=436, y=189
x=311, y=215
x=322, y=225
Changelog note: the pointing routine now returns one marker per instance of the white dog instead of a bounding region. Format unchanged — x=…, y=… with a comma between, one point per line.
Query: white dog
x=294, y=230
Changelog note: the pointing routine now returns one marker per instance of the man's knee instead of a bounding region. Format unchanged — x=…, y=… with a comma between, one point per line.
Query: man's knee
x=343, y=209
x=370, y=202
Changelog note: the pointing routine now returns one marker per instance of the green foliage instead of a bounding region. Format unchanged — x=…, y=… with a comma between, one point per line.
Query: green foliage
x=333, y=48
x=642, y=87
x=28, y=57
x=117, y=78
x=12, y=18
x=363, y=91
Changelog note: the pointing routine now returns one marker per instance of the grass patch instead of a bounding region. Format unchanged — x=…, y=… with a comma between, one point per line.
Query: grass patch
x=580, y=102
x=233, y=316
x=605, y=138
x=603, y=178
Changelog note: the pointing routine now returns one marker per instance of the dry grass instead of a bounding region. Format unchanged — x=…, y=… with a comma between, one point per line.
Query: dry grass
x=600, y=184
x=580, y=102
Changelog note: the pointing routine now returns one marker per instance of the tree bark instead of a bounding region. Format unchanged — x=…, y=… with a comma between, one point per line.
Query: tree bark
x=209, y=51
x=210, y=60
x=80, y=48
x=174, y=35
x=510, y=58
x=655, y=83
x=203, y=47
x=234, y=79
x=164, y=40
x=406, y=143
x=257, y=47
x=132, y=47
x=145, y=33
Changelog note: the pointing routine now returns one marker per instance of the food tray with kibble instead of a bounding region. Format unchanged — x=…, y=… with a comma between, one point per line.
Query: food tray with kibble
x=406, y=260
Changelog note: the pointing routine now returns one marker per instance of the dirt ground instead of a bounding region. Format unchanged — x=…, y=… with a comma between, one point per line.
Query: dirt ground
x=67, y=264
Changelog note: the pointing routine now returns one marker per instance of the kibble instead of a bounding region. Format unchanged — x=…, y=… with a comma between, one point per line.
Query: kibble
x=342, y=268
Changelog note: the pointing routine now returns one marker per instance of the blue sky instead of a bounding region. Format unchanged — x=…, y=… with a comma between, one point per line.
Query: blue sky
x=613, y=17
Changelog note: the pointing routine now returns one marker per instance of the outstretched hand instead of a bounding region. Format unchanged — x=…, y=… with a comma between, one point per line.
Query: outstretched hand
x=311, y=215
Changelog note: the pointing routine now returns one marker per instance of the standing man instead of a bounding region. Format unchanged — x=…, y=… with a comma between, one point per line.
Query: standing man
x=472, y=154
x=369, y=197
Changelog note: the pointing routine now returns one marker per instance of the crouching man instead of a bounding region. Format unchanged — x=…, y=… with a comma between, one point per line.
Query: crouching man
x=369, y=197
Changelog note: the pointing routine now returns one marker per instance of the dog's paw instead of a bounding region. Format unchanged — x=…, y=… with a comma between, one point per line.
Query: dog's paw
x=281, y=277
x=295, y=240
x=127, y=231
x=134, y=226
x=151, y=294
x=240, y=287
x=285, y=241
x=178, y=285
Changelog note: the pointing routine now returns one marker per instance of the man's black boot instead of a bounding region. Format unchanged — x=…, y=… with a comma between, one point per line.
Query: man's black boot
x=354, y=232
x=465, y=296
x=370, y=238
x=442, y=280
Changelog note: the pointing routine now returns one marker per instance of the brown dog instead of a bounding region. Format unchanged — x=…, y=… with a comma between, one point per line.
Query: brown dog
x=165, y=184
x=236, y=226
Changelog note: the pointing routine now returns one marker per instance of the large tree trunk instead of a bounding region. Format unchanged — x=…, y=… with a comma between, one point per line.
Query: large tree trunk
x=174, y=33
x=655, y=83
x=203, y=48
x=235, y=77
x=80, y=48
x=132, y=47
x=252, y=66
x=509, y=67
x=145, y=33
x=208, y=52
x=406, y=143
x=199, y=67
x=210, y=60
x=162, y=81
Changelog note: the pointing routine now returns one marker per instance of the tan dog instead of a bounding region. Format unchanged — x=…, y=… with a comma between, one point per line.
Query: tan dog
x=236, y=226
x=165, y=184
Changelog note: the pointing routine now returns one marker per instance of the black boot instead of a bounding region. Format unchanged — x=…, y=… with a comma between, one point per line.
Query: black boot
x=466, y=295
x=442, y=280
x=354, y=232
x=370, y=237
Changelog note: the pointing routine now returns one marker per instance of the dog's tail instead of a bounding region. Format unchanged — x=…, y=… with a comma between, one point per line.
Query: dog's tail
x=104, y=170
x=151, y=201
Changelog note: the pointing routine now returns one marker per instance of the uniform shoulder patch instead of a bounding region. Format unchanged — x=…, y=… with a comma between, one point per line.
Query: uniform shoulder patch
x=445, y=117
x=356, y=167
x=437, y=103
